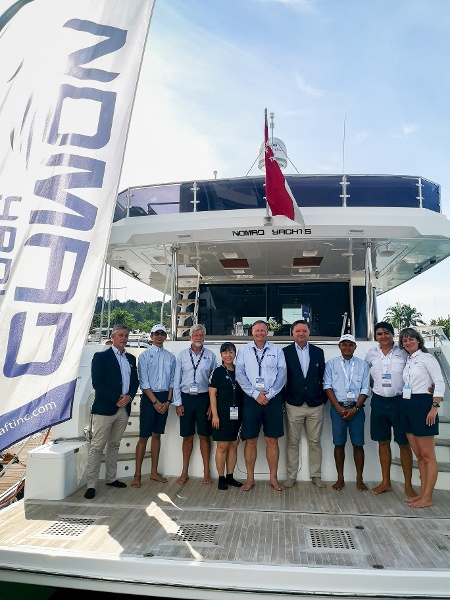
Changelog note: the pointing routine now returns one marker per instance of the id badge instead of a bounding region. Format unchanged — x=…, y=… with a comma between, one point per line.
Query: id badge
x=386, y=380
x=259, y=383
x=234, y=413
x=351, y=395
x=407, y=392
x=193, y=388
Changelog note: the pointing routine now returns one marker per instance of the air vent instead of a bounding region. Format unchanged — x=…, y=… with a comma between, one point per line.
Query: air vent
x=68, y=527
x=196, y=532
x=334, y=539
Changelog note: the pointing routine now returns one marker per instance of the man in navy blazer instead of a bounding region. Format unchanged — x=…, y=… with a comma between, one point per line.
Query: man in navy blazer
x=115, y=381
x=305, y=401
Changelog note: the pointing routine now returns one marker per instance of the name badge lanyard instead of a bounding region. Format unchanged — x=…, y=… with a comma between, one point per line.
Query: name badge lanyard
x=259, y=360
x=386, y=377
x=195, y=366
x=409, y=364
x=233, y=383
x=347, y=378
x=387, y=360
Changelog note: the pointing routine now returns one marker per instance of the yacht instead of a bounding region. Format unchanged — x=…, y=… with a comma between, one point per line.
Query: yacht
x=215, y=248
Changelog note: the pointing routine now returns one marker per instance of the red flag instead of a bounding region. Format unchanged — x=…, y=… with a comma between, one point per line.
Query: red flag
x=278, y=193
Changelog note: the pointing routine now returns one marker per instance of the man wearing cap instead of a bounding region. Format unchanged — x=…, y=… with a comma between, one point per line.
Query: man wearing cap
x=191, y=398
x=305, y=401
x=156, y=367
x=347, y=384
x=387, y=362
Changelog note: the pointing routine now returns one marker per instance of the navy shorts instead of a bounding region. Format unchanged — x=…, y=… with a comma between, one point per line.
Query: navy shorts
x=195, y=415
x=341, y=428
x=151, y=421
x=414, y=415
x=270, y=416
x=384, y=417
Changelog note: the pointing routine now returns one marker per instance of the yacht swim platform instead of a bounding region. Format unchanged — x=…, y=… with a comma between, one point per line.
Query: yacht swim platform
x=194, y=541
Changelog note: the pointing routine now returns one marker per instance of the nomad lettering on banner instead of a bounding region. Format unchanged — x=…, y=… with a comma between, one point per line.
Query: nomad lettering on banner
x=67, y=105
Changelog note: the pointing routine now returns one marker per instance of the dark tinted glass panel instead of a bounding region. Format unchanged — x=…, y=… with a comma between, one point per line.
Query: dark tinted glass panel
x=224, y=194
x=222, y=306
x=151, y=200
x=431, y=195
x=244, y=193
x=382, y=191
x=316, y=191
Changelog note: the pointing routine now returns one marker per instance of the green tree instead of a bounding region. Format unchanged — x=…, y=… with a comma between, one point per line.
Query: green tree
x=123, y=317
x=444, y=323
x=403, y=315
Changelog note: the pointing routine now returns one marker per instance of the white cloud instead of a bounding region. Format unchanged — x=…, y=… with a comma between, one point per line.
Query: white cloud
x=307, y=88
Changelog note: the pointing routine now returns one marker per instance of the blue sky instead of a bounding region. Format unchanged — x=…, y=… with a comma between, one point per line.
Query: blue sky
x=212, y=66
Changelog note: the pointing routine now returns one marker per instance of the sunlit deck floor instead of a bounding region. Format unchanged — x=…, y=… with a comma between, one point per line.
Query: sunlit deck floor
x=301, y=527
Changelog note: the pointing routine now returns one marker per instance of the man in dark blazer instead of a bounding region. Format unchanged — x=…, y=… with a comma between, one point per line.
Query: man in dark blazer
x=305, y=401
x=115, y=381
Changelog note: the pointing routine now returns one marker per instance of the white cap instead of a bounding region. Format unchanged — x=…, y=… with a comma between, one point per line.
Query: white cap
x=347, y=338
x=158, y=327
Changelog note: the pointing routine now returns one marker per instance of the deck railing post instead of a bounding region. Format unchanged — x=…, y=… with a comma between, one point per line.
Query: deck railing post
x=369, y=292
x=174, y=293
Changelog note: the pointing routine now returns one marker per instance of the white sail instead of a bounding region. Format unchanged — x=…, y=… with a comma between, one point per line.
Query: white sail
x=68, y=77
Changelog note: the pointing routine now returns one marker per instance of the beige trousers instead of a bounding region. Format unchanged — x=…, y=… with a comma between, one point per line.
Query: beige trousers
x=312, y=419
x=107, y=431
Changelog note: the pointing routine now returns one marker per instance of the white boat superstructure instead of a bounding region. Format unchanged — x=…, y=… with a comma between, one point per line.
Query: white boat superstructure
x=214, y=248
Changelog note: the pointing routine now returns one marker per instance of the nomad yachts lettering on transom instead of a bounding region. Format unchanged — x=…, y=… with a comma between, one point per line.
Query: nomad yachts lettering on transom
x=262, y=232
x=67, y=104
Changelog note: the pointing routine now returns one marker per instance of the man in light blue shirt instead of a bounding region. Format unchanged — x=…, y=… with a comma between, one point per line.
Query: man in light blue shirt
x=261, y=373
x=191, y=398
x=156, y=368
x=347, y=384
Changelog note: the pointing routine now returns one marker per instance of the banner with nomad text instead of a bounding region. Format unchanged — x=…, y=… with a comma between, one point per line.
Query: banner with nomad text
x=68, y=77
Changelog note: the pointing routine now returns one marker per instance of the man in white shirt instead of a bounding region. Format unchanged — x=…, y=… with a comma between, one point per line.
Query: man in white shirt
x=261, y=373
x=386, y=362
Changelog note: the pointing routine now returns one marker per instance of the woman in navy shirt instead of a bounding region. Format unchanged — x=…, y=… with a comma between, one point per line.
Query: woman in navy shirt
x=226, y=396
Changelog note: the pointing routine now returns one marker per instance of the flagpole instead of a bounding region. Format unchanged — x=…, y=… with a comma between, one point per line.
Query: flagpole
x=268, y=218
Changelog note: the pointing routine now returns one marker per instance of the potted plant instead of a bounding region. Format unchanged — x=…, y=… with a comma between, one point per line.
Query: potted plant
x=273, y=325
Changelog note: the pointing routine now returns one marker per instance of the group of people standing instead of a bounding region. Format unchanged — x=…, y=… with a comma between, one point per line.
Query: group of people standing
x=281, y=390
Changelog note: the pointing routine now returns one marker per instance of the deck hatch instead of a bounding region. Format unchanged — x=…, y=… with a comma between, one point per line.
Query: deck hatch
x=331, y=539
x=68, y=527
x=196, y=532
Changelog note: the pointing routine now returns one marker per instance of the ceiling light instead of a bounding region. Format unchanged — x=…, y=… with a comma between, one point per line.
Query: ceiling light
x=238, y=271
x=309, y=252
x=229, y=254
x=304, y=270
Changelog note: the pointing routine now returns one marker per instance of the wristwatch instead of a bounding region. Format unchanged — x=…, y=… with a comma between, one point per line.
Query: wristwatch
x=357, y=408
x=436, y=404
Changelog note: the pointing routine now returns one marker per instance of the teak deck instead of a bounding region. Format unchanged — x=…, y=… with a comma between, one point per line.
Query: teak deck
x=300, y=527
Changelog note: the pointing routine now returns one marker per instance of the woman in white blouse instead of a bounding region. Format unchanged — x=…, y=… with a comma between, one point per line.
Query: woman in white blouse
x=420, y=410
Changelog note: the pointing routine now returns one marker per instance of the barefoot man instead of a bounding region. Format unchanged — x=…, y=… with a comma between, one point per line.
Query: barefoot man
x=347, y=384
x=387, y=362
x=156, y=367
x=261, y=373
x=191, y=398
